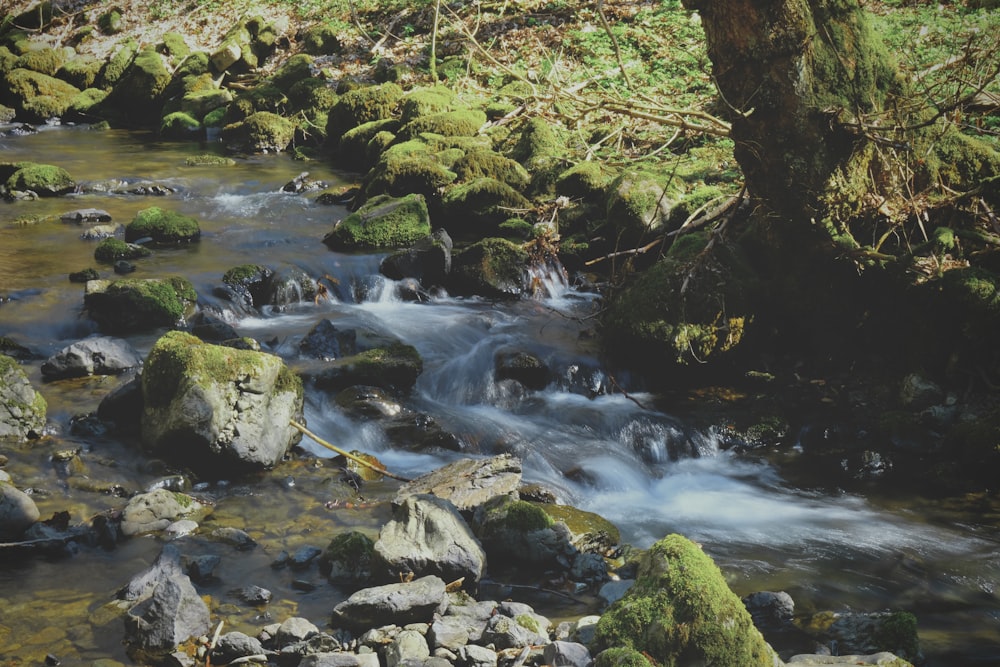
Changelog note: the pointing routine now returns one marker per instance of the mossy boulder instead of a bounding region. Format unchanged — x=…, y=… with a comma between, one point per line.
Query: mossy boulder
x=426, y=101
x=132, y=305
x=217, y=409
x=117, y=64
x=681, y=612
x=476, y=209
x=639, y=204
x=260, y=132
x=382, y=222
x=321, y=40
x=484, y=163
x=292, y=71
x=522, y=535
x=45, y=60
x=693, y=307
x=494, y=268
x=405, y=168
x=394, y=367
x=36, y=96
x=353, y=150
x=22, y=409
x=45, y=180
x=348, y=558
x=136, y=97
x=461, y=123
x=200, y=102
x=174, y=46
x=163, y=227
x=866, y=633
x=588, y=181
x=111, y=250
x=80, y=72
x=362, y=105
x=539, y=146
x=111, y=22
x=179, y=125
x=85, y=105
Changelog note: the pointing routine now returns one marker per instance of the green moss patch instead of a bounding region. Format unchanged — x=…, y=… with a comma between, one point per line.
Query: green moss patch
x=111, y=250
x=42, y=179
x=383, y=222
x=163, y=227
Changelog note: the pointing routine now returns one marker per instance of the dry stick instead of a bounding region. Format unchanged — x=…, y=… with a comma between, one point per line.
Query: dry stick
x=614, y=43
x=352, y=457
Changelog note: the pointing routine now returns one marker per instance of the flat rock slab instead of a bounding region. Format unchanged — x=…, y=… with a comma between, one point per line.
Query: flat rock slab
x=468, y=483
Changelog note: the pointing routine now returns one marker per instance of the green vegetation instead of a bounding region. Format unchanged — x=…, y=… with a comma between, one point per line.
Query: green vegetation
x=383, y=222
x=111, y=250
x=163, y=227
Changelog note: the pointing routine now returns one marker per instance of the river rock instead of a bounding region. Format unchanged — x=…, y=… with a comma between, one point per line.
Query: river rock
x=382, y=222
x=82, y=215
x=327, y=342
x=506, y=632
x=409, y=602
x=866, y=633
x=168, y=612
x=292, y=630
x=468, y=483
x=518, y=533
x=96, y=355
x=153, y=511
x=122, y=406
x=493, y=268
x=288, y=285
x=395, y=367
x=348, y=558
x=166, y=565
x=427, y=536
x=42, y=179
x=17, y=510
x=22, y=409
x=131, y=305
x=408, y=645
x=233, y=645
x=216, y=406
x=427, y=261
x=162, y=227
x=567, y=654
x=884, y=658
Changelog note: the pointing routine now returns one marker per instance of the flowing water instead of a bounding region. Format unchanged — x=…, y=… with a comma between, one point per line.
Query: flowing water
x=647, y=471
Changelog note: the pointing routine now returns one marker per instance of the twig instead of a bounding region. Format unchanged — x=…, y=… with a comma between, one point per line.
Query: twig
x=211, y=644
x=352, y=457
x=614, y=43
x=627, y=395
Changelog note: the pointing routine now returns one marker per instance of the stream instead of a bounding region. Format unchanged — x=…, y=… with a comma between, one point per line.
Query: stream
x=649, y=472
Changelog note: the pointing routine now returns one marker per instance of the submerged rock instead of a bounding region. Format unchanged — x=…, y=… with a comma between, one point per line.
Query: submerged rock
x=215, y=406
x=154, y=511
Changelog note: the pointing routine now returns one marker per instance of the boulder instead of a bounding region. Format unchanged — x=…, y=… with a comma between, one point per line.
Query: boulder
x=468, y=483
x=476, y=208
x=348, y=558
x=247, y=283
x=866, y=633
x=680, y=611
x=22, y=409
x=427, y=536
x=428, y=260
x=169, y=612
x=638, y=205
x=362, y=105
x=325, y=341
x=394, y=367
x=130, y=305
x=407, y=168
x=813, y=660
x=164, y=228
x=520, y=534
x=260, y=132
x=382, y=222
x=137, y=95
x=523, y=367
x=111, y=250
x=42, y=179
x=234, y=645
x=154, y=511
x=96, y=355
x=37, y=97
x=17, y=511
x=217, y=406
x=393, y=604
x=493, y=268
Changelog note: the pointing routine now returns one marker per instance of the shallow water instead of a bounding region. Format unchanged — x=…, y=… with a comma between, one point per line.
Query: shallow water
x=645, y=470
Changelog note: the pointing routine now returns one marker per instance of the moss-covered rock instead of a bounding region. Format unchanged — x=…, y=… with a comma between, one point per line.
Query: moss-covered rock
x=539, y=146
x=521, y=534
x=348, y=558
x=694, y=305
x=45, y=180
x=199, y=103
x=405, y=168
x=179, y=125
x=80, y=72
x=426, y=101
x=394, y=367
x=639, y=204
x=45, y=60
x=110, y=22
x=7, y=60
x=354, y=151
x=382, y=222
x=36, y=96
x=163, y=227
x=621, y=657
x=174, y=46
x=362, y=105
x=131, y=305
x=116, y=65
x=22, y=409
x=476, y=209
x=321, y=40
x=218, y=409
x=680, y=612
x=494, y=268
x=480, y=163
x=462, y=123
x=260, y=132
x=111, y=250
x=588, y=181
x=86, y=105
x=136, y=96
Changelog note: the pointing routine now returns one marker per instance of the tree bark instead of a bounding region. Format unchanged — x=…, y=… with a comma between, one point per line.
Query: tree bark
x=799, y=75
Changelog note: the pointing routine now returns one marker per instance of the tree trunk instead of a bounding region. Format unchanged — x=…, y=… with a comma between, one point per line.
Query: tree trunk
x=800, y=75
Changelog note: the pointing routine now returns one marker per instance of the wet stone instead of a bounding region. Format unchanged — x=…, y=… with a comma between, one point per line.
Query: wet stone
x=255, y=595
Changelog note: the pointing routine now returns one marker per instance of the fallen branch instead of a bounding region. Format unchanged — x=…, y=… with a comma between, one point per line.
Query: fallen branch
x=346, y=454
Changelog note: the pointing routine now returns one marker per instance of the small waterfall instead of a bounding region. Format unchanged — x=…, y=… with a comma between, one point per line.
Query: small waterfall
x=547, y=279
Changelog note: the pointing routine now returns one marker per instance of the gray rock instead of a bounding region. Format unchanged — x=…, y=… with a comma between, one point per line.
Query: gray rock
x=17, y=510
x=477, y=656
x=168, y=609
x=202, y=568
x=410, y=602
x=525, y=615
x=86, y=215
x=294, y=629
x=407, y=646
x=233, y=645
x=149, y=512
x=470, y=613
x=449, y=632
x=427, y=261
x=613, y=591
x=181, y=528
x=428, y=536
x=584, y=629
x=219, y=415
x=567, y=654
x=131, y=305
x=883, y=658
x=337, y=659
x=255, y=595
x=234, y=536
x=469, y=483
x=505, y=632
x=770, y=611
x=318, y=643
x=327, y=342
x=348, y=558
x=22, y=409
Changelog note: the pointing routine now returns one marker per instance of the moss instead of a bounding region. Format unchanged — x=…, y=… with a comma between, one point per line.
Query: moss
x=406, y=168
x=354, y=143
x=138, y=305
x=80, y=73
x=38, y=95
x=137, y=92
x=621, y=657
x=31, y=414
x=84, y=275
x=897, y=633
x=116, y=65
x=110, y=22
x=382, y=222
x=321, y=40
x=214, y=118
x=179, y=125
x=960, y=161
x=680, y=611
x=481, y=163
x=477, y=208
x=425, y=101
x=538, y=146
x=313, y=95
x=244, y=274
x=464, y=123
x=199, y=103
x=43, y=179
x=262, y=131
x=395, y=367
x=687, y=247
x=209, y=160
x=111, y=250
x=520, y=516
x=292, y=71
x=529, y=622
x=585, y=180
x=7, y=60
x=362, y=105
x=172, y=44
x=492, y=267
x=163, y=227
x=582, y=523
x=348, y=557
x=46, y=61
